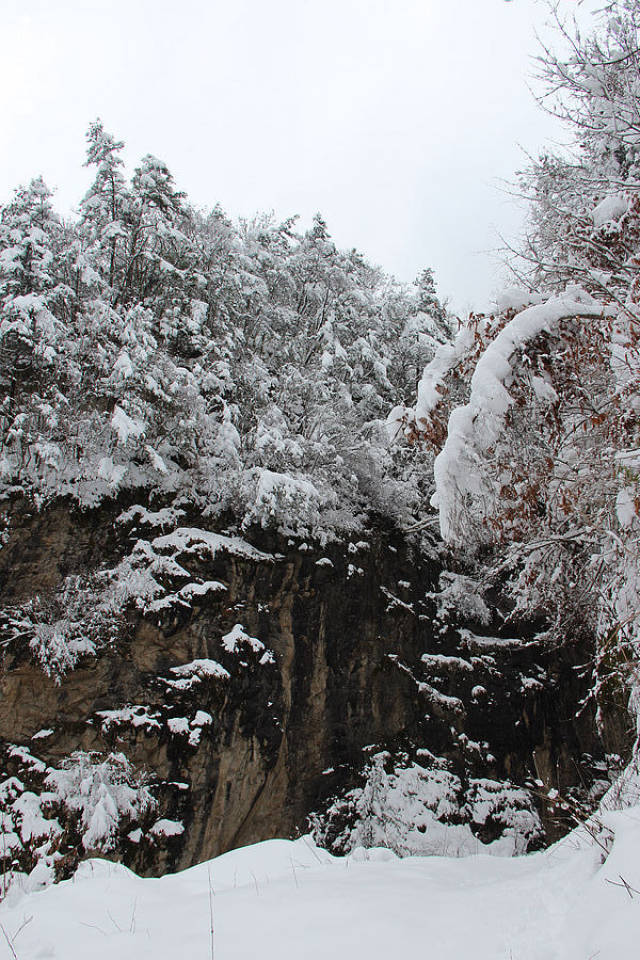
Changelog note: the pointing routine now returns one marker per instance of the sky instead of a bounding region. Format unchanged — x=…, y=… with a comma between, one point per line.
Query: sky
x=398, y=120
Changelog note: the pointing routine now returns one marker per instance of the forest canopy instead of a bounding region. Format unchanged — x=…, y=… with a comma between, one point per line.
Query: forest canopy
x=246, y=367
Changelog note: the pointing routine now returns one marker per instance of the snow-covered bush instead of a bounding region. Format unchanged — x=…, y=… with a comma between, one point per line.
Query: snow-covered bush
x=80, y=618
x=49, y=815
x=419, y=811
x=106, y=794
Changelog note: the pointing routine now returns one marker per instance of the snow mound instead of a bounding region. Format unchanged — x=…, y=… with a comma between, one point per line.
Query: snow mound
x=288, y=899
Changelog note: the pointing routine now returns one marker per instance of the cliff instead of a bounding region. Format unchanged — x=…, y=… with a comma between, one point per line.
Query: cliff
x=244, y=682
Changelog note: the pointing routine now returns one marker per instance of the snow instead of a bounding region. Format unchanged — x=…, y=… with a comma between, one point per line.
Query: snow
x=475, y=427
x=280, y=494
x=441, y=700
x=474, y=641
x=125, y=426
x=396, y=419
x=192, y=673
x=193, y=540
x=153, y=518
x=123, y=366
x=435, y=660
x=460, y=596
x=25, y=755
x=112, y=472
x=137, y=715
x=179, y=726
x=202, y=719
x=191, y=590
x=167, y=828
x=543, y=390
x=231, y=641
x=283, y=900
x=27, y=809
x=237, y=641
x=185, y=595
x=156, y=460
x=42, y=734
x=626, y=506
x=394, y=602
x=515, y=298
x=200, y=668
x=609, y=210
x=431, y=386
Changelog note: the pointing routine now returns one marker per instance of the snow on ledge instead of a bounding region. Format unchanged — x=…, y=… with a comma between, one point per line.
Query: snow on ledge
x=167, y=828
x=194, y=540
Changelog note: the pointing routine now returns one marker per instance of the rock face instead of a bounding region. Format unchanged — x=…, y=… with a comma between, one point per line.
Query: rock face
x=249, y=683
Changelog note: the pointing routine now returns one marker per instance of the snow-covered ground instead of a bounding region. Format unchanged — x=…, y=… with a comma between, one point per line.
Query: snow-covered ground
x=281, y=900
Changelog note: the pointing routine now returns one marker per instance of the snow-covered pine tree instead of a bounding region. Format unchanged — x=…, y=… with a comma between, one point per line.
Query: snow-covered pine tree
x=30, y=241
x=104, y=209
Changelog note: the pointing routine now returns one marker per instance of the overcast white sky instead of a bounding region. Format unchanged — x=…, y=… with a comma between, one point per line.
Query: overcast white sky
x=395, y=118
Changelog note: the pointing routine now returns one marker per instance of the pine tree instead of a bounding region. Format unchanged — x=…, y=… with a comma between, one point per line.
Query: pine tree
x=30, y=235
x=104, y=210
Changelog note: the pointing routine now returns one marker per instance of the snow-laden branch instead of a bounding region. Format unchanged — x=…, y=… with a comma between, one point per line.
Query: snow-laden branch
x=431, y=386
x=474, y=428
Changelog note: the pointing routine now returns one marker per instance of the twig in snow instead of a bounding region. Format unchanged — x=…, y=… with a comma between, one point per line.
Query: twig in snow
x=211, y=911
x=9, y=943
x=627, y=886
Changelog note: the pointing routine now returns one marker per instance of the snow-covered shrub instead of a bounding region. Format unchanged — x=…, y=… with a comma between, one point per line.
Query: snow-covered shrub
x=106, y=794
x=416, y=811
x=62, y=627
x=84, y=615
x=503, y=815
x=294, y=505
x=29, y=835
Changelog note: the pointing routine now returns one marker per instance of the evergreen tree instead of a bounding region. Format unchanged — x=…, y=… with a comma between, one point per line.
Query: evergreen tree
x=105, y=208
x=30, y=240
